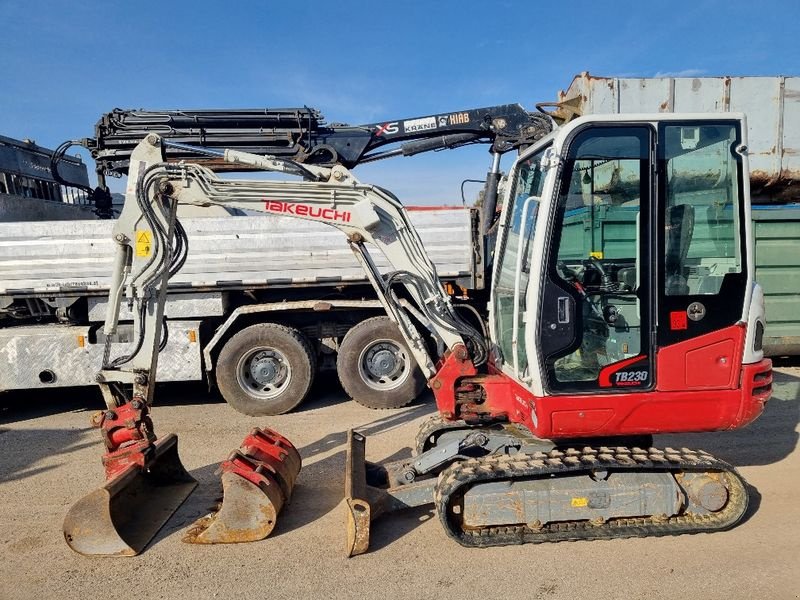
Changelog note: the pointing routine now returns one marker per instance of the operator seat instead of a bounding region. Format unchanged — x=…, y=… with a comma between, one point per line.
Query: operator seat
x=679, y=231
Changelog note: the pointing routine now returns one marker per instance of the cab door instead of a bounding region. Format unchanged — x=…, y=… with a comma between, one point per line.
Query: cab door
x=595, y=321
x=515, y=264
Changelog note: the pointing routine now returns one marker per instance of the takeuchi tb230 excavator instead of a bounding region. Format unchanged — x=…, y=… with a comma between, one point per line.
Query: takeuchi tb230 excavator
x=545, y=421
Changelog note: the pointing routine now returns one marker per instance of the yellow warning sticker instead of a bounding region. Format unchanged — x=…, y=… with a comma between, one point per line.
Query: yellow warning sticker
x=597, y=255
x=580, y=502
x=144, y=241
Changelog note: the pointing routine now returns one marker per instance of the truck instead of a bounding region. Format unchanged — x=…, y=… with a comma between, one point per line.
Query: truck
x=241, y=271
x=30, y=192
x=253, y=270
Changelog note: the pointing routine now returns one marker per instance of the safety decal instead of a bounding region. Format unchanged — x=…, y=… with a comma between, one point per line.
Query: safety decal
x=144, y=242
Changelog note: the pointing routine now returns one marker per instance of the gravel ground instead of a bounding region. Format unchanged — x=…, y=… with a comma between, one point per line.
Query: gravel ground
x=49, y=457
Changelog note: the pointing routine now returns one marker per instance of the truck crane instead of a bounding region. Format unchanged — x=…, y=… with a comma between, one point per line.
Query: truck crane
x=543, y=426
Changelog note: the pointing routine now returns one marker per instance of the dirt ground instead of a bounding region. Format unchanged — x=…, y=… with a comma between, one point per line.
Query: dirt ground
x=49, y=457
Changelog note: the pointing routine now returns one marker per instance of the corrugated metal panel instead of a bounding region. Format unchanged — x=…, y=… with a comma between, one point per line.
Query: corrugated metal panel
x=777, y=233
x=240, y=251
x=772, y=106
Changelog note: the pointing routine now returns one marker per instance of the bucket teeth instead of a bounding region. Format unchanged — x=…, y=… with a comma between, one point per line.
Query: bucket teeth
x=120, y=518
x=257, y=480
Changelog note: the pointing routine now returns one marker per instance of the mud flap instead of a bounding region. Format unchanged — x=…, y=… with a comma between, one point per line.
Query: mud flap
x=120, y=518
x=257, y=481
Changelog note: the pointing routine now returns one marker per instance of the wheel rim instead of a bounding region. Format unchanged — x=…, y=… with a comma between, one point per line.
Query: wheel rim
x=264, y=372
x=384, y=365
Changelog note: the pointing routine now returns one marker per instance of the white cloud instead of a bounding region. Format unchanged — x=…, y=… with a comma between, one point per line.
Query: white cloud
x=683, y=73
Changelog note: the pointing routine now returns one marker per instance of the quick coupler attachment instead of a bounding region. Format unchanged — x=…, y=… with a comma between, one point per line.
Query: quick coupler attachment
x=257, y=481
x=357, y=495
x=120, y=518
x=369, y=493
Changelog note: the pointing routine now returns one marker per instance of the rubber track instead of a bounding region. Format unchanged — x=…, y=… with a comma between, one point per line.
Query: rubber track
x=458, y=477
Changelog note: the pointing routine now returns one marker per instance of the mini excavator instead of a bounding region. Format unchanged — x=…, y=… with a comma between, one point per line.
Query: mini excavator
x=622, y=305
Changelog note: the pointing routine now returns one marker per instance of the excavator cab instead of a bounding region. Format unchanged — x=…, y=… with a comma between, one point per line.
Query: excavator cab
x=622, y=270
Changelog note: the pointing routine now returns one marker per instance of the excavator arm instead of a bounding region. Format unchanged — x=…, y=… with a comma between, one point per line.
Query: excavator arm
x=151, y=246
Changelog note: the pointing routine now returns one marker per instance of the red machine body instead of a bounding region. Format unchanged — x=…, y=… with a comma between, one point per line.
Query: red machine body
x=701, y=385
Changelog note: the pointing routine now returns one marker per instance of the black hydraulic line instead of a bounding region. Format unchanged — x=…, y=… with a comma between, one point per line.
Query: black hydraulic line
x=489, y=205
x=439, y=143
x=100, y=196
x=449, y=320
x=57, y=157
x=164, y=334
x=463, y=197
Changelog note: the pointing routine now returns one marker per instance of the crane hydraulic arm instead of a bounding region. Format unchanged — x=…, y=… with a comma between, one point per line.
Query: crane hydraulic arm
x=302, y=135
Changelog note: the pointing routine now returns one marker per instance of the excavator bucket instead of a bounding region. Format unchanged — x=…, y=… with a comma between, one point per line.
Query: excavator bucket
x=257, y=481
x=120, y=518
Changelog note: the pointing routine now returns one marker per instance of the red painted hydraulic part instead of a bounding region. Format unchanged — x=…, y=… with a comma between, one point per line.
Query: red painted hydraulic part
x=145, y=485
x=257, y=480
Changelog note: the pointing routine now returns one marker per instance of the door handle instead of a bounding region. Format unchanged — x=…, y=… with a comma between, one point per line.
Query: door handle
x=563, y=309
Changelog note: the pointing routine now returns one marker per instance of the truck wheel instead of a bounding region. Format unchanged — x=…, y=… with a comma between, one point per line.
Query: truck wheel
x=376, y=368
x=265, y=369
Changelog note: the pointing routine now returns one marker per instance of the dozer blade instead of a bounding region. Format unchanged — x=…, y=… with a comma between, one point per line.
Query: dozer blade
x=257, y=480
x=120, y=518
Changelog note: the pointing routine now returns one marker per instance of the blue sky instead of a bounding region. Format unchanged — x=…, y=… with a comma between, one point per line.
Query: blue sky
x=65, y=63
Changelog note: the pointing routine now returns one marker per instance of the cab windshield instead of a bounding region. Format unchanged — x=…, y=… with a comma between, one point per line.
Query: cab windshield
x=514, y=258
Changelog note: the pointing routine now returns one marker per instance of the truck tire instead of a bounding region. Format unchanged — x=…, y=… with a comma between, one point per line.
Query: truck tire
x=265, y=369
x=375, y=367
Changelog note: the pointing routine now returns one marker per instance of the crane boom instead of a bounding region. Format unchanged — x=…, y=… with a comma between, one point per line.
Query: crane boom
x=302, y=135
